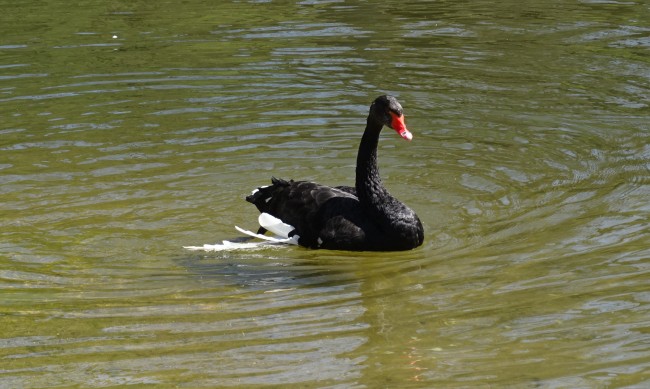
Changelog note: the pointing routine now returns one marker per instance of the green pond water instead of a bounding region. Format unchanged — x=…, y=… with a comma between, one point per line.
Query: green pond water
x=129, y=129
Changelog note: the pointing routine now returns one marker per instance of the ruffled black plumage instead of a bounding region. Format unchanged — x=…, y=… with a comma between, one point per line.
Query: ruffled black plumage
x=365, y=217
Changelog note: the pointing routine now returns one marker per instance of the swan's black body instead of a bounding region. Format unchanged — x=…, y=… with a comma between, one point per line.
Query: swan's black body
x=363, y=218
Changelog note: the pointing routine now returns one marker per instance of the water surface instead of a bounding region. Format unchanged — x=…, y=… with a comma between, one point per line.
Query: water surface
x=132, y=129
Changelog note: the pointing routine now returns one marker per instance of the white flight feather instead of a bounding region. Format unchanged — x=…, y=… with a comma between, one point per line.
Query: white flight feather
x=228, y=245
x=275, y=225
x=270, y=223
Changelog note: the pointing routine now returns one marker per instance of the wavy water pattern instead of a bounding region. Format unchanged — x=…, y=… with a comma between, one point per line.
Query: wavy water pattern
x=133, y=129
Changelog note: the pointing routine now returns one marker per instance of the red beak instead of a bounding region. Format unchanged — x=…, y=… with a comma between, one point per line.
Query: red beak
x=397, y=123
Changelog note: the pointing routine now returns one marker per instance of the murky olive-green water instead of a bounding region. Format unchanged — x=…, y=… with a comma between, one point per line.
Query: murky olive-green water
x=130, y=129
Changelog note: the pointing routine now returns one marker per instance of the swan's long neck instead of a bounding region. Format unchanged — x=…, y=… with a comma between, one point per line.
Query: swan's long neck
x=370, y=189
x=400, y=224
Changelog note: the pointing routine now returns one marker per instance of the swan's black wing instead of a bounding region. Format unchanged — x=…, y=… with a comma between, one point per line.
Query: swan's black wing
x=348, y=189
x=322, y=216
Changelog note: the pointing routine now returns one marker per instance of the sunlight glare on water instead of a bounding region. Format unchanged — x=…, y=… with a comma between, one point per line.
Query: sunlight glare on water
x=130, y=130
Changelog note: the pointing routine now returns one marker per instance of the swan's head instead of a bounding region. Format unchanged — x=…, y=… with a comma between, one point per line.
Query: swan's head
x=388, y=111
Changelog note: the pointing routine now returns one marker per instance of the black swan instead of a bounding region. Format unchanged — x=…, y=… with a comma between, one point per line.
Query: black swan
x=363, y=218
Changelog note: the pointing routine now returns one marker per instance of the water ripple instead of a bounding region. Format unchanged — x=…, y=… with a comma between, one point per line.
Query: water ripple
x=529, y=170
